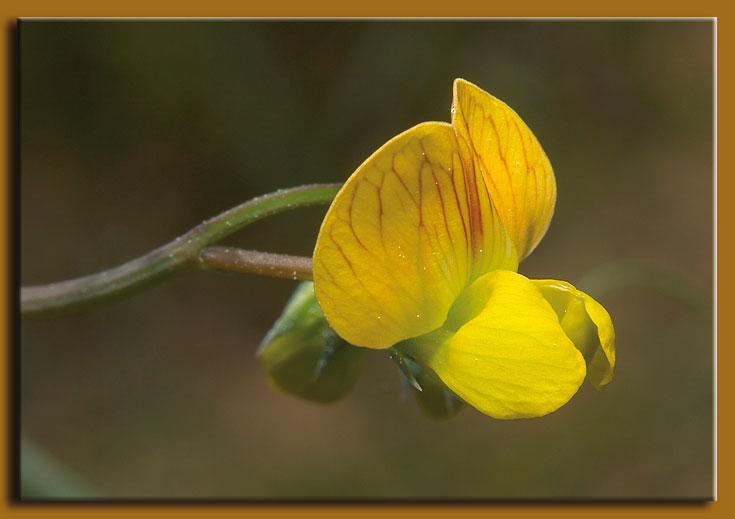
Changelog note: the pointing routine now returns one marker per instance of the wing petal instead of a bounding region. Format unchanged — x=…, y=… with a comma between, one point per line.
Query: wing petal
x=503, y=350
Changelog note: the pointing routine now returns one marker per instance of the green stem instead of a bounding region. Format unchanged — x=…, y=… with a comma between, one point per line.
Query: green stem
x=181, y=253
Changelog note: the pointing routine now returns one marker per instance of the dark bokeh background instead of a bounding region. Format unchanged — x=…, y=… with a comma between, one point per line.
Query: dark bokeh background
x=134, y=132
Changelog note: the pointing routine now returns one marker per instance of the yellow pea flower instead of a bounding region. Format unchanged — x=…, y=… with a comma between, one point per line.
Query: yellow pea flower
x=420, y=250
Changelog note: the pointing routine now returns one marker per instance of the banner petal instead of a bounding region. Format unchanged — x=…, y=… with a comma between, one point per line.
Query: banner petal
x=495, y=143
x=403, y=238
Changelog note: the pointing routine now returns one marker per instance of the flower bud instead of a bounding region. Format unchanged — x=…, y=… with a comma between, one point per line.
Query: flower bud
x=304, y=357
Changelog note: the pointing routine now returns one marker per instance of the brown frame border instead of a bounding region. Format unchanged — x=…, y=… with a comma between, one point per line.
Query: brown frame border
x=12, y=9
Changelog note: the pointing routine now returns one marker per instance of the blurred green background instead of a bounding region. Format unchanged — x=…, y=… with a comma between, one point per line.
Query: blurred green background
x=134, y=132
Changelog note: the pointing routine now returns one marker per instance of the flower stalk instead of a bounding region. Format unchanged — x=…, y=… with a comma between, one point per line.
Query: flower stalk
x=253, y=262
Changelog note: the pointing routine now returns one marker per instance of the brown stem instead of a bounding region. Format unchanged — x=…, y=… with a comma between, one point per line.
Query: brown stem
x=253, y=262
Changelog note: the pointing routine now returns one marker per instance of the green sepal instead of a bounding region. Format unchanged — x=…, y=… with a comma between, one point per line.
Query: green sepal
x=432, y=396
x=434, y=399
x=304, y=357
x=400, y=359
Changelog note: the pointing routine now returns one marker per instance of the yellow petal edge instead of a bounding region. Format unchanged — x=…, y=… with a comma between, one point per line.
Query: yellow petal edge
x=496, y=142
x=587, y=324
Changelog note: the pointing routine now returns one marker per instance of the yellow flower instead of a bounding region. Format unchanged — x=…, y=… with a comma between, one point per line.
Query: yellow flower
x=420, y=250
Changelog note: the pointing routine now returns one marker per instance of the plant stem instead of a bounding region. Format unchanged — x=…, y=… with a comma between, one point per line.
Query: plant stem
x=181, y=253
x=254, y=262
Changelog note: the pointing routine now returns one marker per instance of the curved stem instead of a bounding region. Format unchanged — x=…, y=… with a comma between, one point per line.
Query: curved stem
x=181, y=253
x=253, y=262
